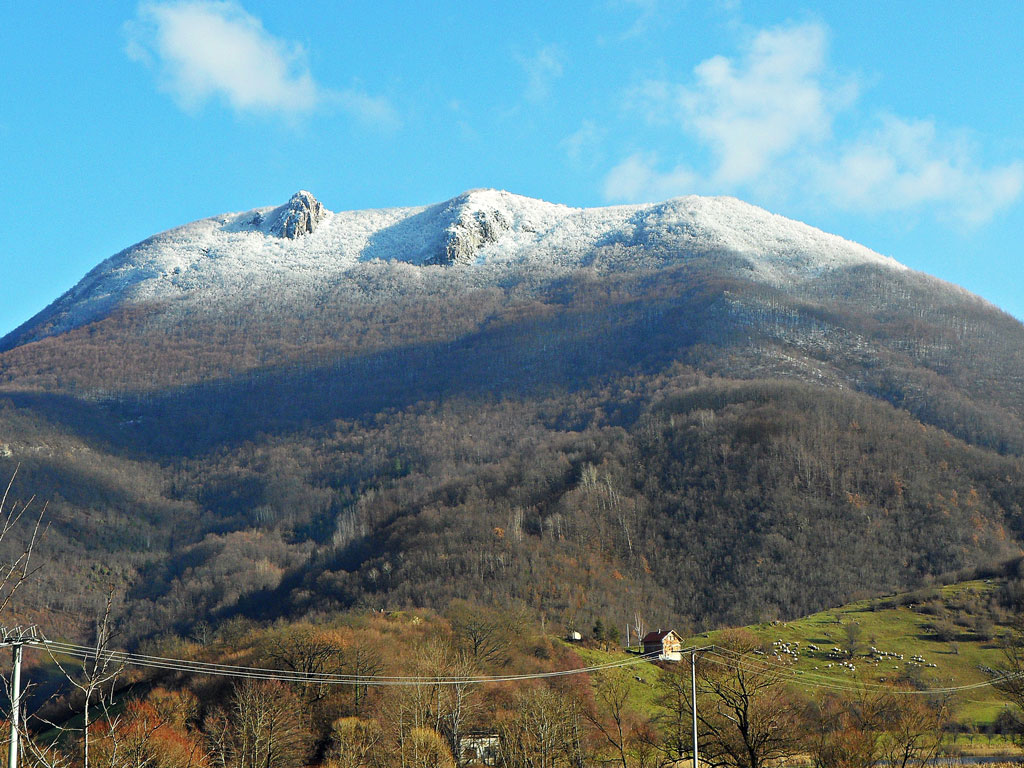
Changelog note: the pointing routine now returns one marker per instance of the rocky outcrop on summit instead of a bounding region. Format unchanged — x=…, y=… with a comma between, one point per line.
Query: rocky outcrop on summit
x=299, y=216
x=471, y=230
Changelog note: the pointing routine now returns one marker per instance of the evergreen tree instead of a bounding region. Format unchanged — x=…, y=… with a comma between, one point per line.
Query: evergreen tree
x=612, y=636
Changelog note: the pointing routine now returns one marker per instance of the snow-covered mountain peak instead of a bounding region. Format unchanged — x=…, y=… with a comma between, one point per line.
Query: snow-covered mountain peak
x=779, y=249
x=482, y=236
x=481, y=217
x=516, y=207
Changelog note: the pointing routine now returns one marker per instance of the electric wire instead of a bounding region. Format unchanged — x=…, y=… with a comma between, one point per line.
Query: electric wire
x=259, y=673
x=322, y=678
x=714, y=654
x=80, y=650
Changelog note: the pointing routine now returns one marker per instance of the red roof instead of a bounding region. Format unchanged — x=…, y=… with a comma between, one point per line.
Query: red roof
x=656, y=637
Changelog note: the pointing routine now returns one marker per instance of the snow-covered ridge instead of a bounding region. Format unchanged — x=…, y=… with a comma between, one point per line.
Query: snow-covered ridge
x=480, y=236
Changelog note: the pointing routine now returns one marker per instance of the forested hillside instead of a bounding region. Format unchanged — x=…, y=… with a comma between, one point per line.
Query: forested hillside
x=680, y=432
x=904, y=678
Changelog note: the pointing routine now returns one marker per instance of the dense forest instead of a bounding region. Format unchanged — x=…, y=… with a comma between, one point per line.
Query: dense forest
x=722, y=449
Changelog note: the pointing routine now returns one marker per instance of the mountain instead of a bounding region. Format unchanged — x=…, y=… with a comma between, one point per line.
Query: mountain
x=216, y=264
x=694, y=405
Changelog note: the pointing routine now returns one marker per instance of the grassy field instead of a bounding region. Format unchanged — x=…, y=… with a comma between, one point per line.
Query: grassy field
x=901, y=630
x=900, y=627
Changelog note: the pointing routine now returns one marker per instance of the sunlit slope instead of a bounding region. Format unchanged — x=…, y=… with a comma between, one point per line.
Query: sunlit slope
x=933, y=638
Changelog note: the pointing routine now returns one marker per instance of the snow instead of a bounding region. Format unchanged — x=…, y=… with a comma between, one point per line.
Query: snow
x=210, y=263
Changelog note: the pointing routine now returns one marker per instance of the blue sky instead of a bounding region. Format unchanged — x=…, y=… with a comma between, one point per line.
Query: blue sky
x=899, y=125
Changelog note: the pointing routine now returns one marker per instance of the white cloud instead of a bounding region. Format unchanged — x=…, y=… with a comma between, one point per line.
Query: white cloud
x=767, y=123
x=908, y=164
x=754, y=112
x=208, y=49
x=636, y=179
x=648, y=14
x=371, y=110
x=542, y=69
x=583, y=146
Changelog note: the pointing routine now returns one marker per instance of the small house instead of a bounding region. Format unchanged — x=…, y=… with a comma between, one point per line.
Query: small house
x=480, y=748
x=573, y=637
x=666, y=643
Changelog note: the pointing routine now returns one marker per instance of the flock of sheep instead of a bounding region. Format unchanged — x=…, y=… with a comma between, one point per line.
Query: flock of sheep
x=789, y=652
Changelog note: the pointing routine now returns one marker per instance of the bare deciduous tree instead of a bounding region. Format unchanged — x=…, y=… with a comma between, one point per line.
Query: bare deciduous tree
x=639, y=627
x=263, y=728
x=487, y=633
x=1009, y=676
x=674, y=718
x=444, y=708
x=356, y=743
x=610, y=714
x=852, y=640
x=543, y=732
x=914, y=725
x=15, y=572
x=100, y=670
x=361, y=659
x=306, y=651
x=845, y=731
x=746, y=717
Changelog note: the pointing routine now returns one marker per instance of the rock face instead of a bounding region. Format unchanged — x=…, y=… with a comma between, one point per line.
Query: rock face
x=299, y=216
x=470, y=230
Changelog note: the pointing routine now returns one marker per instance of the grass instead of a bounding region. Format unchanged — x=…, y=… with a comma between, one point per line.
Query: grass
x=903, y=629
x=641, y=678
x=897, y=624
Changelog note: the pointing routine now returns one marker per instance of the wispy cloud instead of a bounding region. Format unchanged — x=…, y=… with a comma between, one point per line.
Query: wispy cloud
x=204, y=49
x=909, y=164
x=208, y=49
x=648, y=14
x=756, y=112
x=369, y=110
x=751, y=113
x=584, y=146
x=767, y=121
x=637, y=178
x=542, y=69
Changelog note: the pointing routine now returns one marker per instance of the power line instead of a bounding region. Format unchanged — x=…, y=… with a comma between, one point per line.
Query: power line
x=714, y=654
x=260, y=673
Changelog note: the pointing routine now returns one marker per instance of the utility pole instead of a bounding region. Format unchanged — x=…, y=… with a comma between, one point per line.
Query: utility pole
x=693, y=694
x=12, y=755
x=16, y=639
